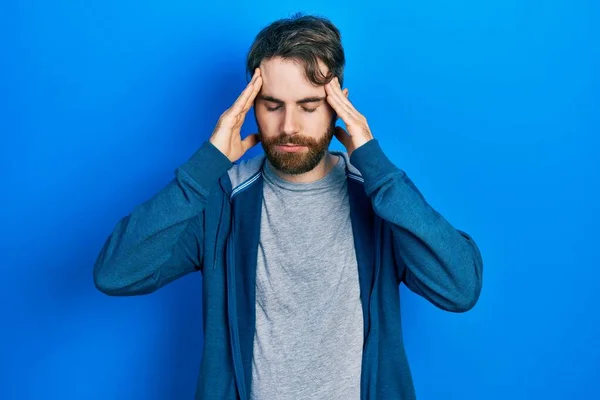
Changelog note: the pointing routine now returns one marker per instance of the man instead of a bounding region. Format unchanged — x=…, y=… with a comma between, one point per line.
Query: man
x=302, y=250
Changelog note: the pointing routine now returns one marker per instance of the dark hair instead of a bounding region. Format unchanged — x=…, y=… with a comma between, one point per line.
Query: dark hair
x=304, y=38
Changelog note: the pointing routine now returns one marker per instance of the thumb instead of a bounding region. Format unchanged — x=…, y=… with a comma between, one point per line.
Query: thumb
x=342, y=136
x=250, y=141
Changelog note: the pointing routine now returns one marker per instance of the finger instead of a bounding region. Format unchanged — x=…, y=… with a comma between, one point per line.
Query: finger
x=251, y=83
x=240, y=116
x=337, y=90
x=336, y=102
x=343, y=92
x=342, y=136
x=240, y=102
x=256, y=89
x=250, y=141
x=242, y=98
x=339, y=107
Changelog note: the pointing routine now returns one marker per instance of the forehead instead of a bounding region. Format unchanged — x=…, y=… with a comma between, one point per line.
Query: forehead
x=286, y=80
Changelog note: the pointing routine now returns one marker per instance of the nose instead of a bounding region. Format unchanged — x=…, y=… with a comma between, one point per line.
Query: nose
x=290, y=123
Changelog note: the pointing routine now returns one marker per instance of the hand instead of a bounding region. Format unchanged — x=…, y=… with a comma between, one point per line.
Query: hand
x=358, y=130
x=227, y=134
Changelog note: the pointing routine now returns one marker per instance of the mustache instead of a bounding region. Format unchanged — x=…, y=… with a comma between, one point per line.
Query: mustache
x=291, y=140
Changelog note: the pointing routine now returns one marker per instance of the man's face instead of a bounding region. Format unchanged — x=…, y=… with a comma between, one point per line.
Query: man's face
x=289, y=111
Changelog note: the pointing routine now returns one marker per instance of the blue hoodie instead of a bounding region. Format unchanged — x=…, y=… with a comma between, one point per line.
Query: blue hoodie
x=208, y=219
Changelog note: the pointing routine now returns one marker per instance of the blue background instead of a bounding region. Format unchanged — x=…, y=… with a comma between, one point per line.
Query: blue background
x=491, y=107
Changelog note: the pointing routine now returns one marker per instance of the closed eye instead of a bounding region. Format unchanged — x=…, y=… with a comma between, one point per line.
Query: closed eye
x=270, y=100
x=303, y=108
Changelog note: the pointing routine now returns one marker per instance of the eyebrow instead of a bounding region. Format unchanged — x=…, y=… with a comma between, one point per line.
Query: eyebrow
x=301, y=101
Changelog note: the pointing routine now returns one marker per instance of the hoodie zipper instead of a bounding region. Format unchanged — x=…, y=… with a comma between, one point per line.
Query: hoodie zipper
x=215, y=253
x=373, y=288
x=232, y=313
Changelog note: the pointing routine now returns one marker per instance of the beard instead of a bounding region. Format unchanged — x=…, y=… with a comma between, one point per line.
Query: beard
x=295, y=163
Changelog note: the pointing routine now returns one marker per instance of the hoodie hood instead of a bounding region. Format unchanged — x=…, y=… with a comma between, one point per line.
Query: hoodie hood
x=246, y=172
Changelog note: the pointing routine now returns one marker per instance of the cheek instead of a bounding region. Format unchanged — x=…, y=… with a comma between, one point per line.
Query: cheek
x=318, y=122
x=267, y=121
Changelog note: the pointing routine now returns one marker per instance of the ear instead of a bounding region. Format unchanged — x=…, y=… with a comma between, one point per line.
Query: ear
x=345, y=91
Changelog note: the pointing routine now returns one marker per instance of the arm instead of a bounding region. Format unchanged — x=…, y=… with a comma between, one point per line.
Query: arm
x=161, y=239
x=439, y=262
x=436, y=261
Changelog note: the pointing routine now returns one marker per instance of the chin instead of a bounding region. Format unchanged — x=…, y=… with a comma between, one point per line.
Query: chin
x=295, y=163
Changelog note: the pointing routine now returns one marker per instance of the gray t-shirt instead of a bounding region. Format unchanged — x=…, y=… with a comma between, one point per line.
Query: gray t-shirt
x=309, y=323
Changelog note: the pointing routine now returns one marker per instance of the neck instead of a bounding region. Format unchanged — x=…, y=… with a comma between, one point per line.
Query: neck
x=318, y=172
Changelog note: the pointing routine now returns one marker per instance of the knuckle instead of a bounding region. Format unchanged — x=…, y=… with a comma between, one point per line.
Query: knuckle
x=227, y=116
x=222, y=121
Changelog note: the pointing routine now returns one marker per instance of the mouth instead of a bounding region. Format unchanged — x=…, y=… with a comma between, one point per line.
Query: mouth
x=292, y=148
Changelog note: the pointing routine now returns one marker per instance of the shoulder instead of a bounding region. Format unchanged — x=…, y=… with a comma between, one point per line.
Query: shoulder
x=244, y=171
x=351, y=171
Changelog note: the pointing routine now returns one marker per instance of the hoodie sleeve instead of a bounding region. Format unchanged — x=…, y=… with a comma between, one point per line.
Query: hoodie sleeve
x=440, y=263
x=161, y=239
